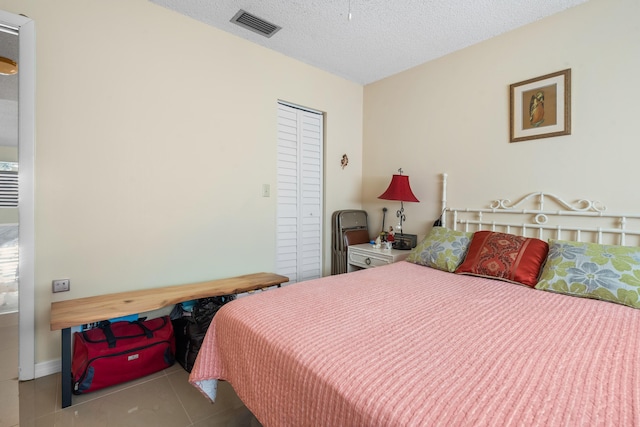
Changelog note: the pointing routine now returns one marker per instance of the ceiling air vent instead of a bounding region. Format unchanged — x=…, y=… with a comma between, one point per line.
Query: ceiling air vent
x=255, y=24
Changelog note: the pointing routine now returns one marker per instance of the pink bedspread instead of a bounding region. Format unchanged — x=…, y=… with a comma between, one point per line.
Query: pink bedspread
x=406, y=345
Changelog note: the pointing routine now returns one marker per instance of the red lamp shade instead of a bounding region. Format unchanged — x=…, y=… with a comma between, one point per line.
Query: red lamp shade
x=399, y=189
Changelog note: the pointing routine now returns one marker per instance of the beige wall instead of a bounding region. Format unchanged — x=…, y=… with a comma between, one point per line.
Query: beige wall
x=155, y=134
x=452, y=115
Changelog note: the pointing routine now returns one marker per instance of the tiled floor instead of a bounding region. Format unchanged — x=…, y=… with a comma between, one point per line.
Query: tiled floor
x=162, y=399
x=9, y=370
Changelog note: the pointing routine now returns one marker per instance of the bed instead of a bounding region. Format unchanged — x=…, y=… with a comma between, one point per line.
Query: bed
x=529, y=319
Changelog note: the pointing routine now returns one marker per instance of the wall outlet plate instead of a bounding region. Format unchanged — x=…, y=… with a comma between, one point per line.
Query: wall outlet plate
x=60, y=285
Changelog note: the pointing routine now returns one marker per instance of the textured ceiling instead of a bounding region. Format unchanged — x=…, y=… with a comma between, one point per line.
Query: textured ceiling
x=382, y=38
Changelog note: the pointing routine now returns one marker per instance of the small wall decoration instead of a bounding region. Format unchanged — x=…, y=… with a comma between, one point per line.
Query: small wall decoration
x=541, y=107
x=345, y=161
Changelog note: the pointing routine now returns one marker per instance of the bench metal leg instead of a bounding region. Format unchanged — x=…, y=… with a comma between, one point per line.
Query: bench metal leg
x=66, y=367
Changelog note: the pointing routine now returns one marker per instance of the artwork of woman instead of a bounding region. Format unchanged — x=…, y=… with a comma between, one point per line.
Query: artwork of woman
x=536, y=109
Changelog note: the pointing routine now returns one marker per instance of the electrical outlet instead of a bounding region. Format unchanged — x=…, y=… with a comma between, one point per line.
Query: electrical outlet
x=60, y=285
x=266, y=190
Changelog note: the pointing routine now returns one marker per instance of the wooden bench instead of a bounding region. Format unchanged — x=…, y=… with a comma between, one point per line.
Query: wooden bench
x=80, y=311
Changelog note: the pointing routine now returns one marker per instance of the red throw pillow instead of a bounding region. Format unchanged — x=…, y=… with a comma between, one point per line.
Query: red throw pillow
x=505, y=256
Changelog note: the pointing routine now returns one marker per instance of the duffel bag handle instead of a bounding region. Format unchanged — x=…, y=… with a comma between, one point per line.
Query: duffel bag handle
x=147, y=332
x=108, y=333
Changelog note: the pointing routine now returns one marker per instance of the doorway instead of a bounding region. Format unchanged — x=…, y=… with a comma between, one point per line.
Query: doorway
x=8, y=174
x=17, y=26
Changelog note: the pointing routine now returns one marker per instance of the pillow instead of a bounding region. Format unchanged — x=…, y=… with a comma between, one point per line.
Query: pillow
x=605, y=272
x=443, y=249
x=505, y=257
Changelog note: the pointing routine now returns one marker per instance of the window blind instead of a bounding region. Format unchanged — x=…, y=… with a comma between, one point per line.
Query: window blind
x=8, y=185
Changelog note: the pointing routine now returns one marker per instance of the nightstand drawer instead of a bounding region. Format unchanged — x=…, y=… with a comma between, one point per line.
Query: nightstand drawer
x=367, y=260
x=366, y=256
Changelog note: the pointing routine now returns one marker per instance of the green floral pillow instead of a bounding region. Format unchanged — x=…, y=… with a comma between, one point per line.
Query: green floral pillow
x=605, y=272
x=443, y=249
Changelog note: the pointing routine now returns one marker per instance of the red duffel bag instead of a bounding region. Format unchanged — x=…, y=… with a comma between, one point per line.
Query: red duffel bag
x=121, y=351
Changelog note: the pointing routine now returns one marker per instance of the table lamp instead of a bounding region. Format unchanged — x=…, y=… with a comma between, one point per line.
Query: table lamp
x=399, y=189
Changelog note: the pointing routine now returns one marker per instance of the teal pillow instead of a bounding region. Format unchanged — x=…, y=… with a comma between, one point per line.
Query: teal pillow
x=443, y=249
x=590, y=270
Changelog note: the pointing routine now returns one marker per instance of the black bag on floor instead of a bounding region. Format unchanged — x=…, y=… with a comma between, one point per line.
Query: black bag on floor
x=190, y=327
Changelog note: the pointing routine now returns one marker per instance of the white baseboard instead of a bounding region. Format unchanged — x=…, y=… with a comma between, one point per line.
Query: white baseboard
x=47, y=368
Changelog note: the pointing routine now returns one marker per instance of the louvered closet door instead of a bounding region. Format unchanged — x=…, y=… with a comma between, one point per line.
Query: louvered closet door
x=299, y=190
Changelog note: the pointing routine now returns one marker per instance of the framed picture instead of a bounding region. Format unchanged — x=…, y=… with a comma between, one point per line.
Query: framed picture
x=541, y=107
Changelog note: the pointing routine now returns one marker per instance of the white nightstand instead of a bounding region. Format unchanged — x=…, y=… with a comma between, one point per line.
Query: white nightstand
x=366, y=256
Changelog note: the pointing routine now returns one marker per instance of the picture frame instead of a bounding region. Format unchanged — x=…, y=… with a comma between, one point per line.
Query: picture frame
x=540, y=107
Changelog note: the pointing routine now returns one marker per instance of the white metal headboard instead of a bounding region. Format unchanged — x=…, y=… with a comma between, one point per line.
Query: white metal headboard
x=583, y=220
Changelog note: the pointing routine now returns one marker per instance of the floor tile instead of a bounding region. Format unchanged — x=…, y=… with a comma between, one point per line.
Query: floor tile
x=81, y=398
x=8, y=363
x=48, y=420
x=9, y=411
x=153, y=403
x=9, y=336
x=163, y=399
x=38, y=397
x=196, y=404
x=239, y=417
x=9, y=319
